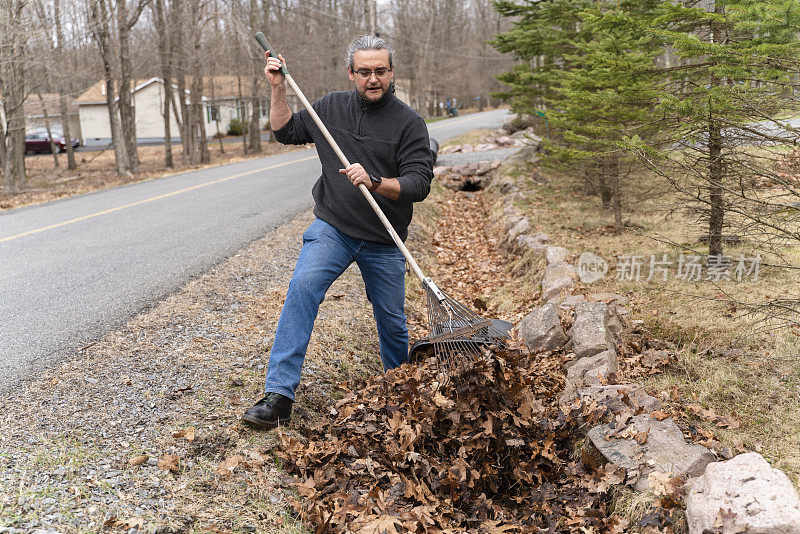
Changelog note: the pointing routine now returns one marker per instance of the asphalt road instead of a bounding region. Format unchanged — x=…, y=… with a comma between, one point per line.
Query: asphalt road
x=74, y=269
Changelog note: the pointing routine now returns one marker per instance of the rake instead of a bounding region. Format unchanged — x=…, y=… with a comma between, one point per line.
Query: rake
x=459, y=336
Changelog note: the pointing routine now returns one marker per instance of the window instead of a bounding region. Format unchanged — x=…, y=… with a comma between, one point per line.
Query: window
x=212, y=113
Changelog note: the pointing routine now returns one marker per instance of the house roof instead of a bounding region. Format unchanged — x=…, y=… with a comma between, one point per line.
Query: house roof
x=223, y=87
x=96, y=93
x=33, y=108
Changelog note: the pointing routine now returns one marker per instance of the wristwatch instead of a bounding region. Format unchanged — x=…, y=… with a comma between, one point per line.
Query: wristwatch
x=376, y=179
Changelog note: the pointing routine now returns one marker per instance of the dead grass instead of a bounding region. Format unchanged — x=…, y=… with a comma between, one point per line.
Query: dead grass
x=725, y=362
x=470, y=137
x=96, y=170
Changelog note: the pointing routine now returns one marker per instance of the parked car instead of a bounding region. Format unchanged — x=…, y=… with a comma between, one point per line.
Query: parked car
x=36, y=142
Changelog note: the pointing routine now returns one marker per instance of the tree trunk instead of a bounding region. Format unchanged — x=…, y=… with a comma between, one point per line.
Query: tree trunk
x=216, y=115
x=3, y=155
x=617, y=191
x=120, y=149
x=62, y=104
x=127, y=111
x=241, y=113
x=606, y=189
x=164, y=47
x=200, y=154
x=254, y=129
x=17, y=152
x=102, y=35
x=187, y=132
x=716, y=202
x=420, y=76
x=53, y=147
x=716, y=165
x=62, y=96
x=12, y=86
x=257, y=73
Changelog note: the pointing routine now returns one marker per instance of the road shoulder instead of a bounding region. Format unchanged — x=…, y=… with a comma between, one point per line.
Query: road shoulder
x=71, y=437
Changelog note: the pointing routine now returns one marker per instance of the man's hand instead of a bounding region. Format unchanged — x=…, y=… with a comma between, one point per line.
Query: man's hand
x=357, y=175
x=273, y=69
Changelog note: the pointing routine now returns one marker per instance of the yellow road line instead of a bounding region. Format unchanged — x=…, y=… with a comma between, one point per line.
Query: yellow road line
x=145, y=201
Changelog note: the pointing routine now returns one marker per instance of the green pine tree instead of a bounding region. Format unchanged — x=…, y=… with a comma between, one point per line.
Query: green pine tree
x=590, y=65
x=544, y=33
x=606, y=95
x=720, y=107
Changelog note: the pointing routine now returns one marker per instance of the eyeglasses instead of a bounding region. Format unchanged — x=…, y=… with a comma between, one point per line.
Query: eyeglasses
x=365, y=74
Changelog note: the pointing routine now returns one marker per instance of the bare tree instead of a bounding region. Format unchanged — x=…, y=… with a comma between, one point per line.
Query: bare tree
x=101, y=31
x=12, y=88
x=53, y=147
x=256, y=84
x=165, y=49
x=62, y=94
x=126, y=19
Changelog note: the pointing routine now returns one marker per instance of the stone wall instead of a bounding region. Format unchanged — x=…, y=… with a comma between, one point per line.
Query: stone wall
x=740, y=495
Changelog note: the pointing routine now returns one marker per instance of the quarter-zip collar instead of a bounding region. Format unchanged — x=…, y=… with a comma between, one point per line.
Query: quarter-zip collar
x=366, y=104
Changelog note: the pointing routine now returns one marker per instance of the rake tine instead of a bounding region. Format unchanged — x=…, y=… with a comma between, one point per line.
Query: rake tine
x=458, y=334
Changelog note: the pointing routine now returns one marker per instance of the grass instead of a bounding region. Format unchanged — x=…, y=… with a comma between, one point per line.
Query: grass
x=470, y=137
x=430, y=120
x=724, y=361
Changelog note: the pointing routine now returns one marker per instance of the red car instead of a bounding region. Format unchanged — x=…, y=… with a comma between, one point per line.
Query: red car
x=36, y=142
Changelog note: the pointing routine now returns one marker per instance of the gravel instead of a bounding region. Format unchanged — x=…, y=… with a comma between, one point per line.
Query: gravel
x=195, y=359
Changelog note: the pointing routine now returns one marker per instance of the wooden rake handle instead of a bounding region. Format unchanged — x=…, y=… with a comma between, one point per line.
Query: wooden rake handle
x=262, y=40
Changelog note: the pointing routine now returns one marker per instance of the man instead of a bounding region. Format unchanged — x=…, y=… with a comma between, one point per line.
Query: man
x=389, y=141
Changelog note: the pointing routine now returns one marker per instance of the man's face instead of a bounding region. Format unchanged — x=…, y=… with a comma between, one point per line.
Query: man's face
x=372, y=87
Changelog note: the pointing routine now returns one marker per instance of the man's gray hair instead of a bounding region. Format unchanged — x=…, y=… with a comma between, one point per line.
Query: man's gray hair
x=367, y=42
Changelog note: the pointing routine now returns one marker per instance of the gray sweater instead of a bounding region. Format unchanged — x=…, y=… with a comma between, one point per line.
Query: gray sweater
x=386, y=137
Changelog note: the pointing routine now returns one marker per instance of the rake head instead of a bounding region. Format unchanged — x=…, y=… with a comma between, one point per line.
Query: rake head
x=459, y=336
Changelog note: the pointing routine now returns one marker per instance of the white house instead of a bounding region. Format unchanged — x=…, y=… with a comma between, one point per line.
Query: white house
x=221, y=103
x=35, y=116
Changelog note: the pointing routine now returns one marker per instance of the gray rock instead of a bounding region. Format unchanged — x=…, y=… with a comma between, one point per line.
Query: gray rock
x=556, y=254
x=664, y=450
x=620, y=397
x=558, y=278
x=542, y=238
x=590, y=334
x=528, y=243
x=592, y=369
x=511, y=221
x=571, y=301
x=525, y=155
x=754, y=496
x=520, y=228
x=614, y=324
x=541, y=329
x=482, y=147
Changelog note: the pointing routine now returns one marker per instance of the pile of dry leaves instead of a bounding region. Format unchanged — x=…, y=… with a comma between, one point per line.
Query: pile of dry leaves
x=489, y=452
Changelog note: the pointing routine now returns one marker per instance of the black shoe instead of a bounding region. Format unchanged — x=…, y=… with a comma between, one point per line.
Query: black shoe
x=270, y=411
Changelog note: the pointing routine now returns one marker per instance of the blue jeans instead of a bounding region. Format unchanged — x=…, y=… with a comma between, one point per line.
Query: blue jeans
x=325, y=255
